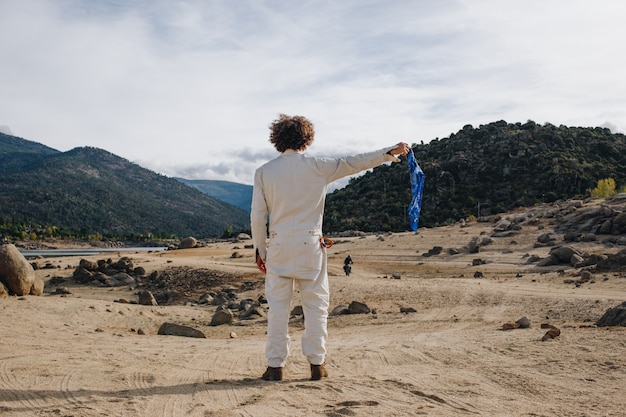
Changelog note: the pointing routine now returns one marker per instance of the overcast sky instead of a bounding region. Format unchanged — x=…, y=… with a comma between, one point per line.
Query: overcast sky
x=189, y=87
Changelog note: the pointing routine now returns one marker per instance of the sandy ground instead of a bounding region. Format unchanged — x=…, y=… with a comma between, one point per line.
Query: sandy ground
x=82, y=355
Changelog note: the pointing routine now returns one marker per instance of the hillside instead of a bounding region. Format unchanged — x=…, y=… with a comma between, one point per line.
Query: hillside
x=91, y=191
x=482, y=171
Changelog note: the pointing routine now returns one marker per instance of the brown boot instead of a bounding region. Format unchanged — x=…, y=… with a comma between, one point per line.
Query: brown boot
x=272, y=374
x=318, y=372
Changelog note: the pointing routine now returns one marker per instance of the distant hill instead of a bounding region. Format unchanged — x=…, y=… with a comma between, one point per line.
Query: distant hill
x=239, y=195
x=480, y=171
x=92, y=191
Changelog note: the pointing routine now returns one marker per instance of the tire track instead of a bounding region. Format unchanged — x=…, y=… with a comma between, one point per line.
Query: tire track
x=18, y=394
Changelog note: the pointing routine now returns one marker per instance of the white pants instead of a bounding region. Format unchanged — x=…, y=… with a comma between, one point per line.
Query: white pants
x=315, y=295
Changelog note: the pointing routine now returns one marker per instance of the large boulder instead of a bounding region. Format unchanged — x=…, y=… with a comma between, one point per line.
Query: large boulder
x=188, y=243
x=17, y=273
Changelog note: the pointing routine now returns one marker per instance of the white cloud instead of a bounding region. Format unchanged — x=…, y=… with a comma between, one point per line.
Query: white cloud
x=189, y=88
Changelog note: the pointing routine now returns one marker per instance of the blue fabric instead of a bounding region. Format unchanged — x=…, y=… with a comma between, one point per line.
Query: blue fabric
x=417, y=184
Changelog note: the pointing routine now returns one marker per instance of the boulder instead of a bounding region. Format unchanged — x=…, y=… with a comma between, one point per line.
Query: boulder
x=524, y=322
x=88, y=265
x=550, y=260
x=564, y=253
x=15, y=272
x=173, y=329
x=188, y=242
x=339, y=310
x=146, y=298
x=37, y=288
x=223, y=316
x=615, y=316
x=356, y=307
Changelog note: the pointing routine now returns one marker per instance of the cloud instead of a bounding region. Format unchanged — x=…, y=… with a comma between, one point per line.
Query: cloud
x=189, y=88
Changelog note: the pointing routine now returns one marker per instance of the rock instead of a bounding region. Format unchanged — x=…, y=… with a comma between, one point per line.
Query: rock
x=564, y=253
x=552, y=333
x=339, y=310
x=502, y=225
x=205, y=299
x=356, y=307
x=613, y=262
x=243, y=236
x=223, y=316
x=478, y=274
x=120, y=279
x=407, y=310
x=173, y=329
x=252, y=312
x=588, y=237
x=615, y=316
x=524, y=323
x=510, y=326
x=146, y=298
x=88, y=265
x=15, y=272
x=4, y=292
x=620, y=219
x=297, y=311
x=550, y=260
x=577, y=261
x=37, y=288
x=188, y=243
x=436, y=250
x=474, y=245
x=546, y=238
x=586, y=275
x=82, y=275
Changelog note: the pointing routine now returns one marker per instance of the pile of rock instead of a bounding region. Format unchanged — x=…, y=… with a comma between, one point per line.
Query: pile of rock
x=107, y=272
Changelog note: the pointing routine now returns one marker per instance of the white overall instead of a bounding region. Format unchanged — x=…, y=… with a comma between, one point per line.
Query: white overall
x=288, y=206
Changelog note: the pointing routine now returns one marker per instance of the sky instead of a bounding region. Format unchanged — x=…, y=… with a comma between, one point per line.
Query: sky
x=188, y=88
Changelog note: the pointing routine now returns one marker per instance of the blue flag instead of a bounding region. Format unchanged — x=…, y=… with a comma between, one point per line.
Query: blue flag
x=417, y=184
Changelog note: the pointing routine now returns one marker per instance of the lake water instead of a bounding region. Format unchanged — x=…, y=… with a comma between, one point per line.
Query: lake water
x=51, y=253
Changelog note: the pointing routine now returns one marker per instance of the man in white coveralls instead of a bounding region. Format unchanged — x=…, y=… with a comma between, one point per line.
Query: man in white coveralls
x=287, y=207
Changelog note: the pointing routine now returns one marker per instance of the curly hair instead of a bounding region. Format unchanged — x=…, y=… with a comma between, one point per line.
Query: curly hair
x=291, y=132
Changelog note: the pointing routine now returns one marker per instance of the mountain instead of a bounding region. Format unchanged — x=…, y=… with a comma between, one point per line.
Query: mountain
x=89, y=191
x=481, y=171
x=239, y=195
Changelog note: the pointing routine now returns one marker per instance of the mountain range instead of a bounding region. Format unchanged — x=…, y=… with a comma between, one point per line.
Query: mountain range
x=239, y=195
x=475, y=172
x=88, y=192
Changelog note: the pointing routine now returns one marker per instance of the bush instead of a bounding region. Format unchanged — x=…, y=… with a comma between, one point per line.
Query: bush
x=604, y=188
